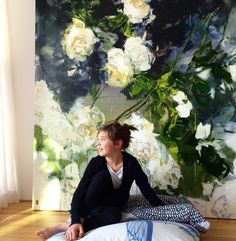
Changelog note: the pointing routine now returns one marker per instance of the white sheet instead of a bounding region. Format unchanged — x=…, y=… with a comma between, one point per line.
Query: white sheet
x=139, y=230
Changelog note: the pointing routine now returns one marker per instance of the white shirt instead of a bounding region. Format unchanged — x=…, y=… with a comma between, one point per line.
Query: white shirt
x=116, y=177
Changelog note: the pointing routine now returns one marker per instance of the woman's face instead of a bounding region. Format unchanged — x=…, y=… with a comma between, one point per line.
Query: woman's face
x=105, y=145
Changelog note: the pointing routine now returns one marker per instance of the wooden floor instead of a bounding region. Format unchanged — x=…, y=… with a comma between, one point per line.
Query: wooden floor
x=18, y=222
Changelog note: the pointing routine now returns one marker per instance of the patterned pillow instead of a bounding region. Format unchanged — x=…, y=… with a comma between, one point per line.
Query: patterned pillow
x=177, y=209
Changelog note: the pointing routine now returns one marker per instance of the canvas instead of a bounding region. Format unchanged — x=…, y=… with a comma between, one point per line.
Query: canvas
x=167, y=67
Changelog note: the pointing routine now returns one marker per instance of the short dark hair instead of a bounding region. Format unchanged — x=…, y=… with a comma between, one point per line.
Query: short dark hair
x=117, y=131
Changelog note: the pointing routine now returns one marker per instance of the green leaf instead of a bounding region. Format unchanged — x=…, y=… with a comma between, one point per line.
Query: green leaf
x=166, y=76
x=200, y=86
x=163, y=81
x=188, y=153
x=127, y=29
x=201, y=91
x=213, y=163
x=94, y=90
x=142, y=83
x=177, y=131
x=38, y=138
x=204, y=56
x=163, y=121
x=174, y=150
x=114, y=23
x=94, y=3
x=42, y=143
x=48, y=149
x=220, y=72
x=106, y=39
x=79, y=158
x=63, y=163
x=173, y=123
x=191, y=183
x=56, y=170
x=171, y=146
x=136, y=89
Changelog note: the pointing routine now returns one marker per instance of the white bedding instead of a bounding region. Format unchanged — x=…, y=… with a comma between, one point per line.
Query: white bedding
x=139, y=230
x=178, y=220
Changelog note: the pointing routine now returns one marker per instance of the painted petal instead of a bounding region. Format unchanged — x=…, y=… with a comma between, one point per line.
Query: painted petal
x=179, y=97
x=203, y=131
x=184, y=110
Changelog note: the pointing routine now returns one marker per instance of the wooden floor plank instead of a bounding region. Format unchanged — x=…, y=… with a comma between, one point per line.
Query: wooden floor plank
x=19, y=222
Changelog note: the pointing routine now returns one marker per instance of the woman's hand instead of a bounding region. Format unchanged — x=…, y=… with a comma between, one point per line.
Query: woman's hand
x=74, y=232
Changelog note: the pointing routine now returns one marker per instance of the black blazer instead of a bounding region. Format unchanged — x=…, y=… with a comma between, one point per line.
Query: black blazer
x=132, y=171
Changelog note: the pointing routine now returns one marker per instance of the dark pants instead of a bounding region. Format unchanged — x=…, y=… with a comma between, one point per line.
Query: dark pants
x=100, y=205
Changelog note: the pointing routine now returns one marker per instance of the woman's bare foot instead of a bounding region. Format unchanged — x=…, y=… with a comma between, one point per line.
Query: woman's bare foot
x=47, y=232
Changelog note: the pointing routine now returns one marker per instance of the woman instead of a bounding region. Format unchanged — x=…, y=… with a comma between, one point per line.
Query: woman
x=105, y=186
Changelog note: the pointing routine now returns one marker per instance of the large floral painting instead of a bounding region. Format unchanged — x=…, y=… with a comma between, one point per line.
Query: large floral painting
x=167, y=67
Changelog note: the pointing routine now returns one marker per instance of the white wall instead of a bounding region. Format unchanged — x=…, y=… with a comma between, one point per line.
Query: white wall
x=21, y=17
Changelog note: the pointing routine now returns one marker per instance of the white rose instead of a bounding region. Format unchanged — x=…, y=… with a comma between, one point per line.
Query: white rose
x=137, y=10
x=163, y=170
x=140, y=55
x=50, y=117
x=78, y=41
x=85, y=121
x=119, y=69
x=132, y=43
x=184, y=105
x=203, y=131
x=165, y=174
x=179, y=97
x=184, y=109
x=67, y=133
